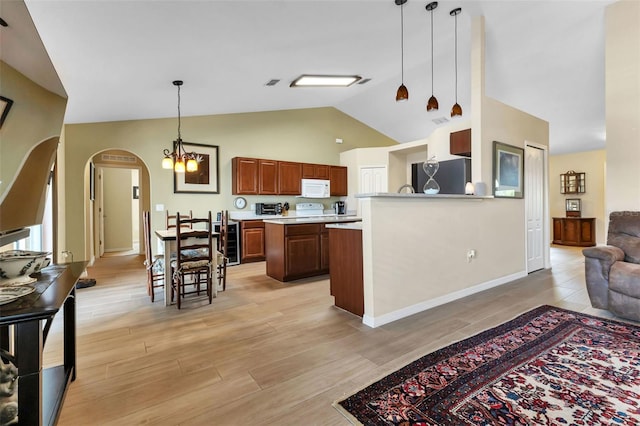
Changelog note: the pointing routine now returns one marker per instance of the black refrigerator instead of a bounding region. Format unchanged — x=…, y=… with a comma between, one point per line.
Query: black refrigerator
x=452, y=176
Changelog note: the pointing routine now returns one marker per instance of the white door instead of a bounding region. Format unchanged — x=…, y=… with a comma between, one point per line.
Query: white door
x=534, y=202
x=373, y=179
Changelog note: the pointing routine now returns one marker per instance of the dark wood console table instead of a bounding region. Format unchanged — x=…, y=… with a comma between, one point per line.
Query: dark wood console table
x=41, y=392
x=574, y=231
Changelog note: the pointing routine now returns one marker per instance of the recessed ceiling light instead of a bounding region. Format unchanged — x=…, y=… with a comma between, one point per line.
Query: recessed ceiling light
x=324, y=80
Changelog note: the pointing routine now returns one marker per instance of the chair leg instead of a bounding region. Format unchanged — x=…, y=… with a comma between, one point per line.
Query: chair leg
x=224, y=274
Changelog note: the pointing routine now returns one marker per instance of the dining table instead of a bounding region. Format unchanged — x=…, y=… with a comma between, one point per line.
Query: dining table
x=168, y=238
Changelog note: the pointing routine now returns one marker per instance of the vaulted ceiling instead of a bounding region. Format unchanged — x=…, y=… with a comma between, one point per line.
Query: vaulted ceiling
x=116, y=59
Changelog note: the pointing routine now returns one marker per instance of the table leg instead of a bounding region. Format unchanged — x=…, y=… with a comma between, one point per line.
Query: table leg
x=29, y=346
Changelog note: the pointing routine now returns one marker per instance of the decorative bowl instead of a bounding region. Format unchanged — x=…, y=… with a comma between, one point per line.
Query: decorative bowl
x=15, y=263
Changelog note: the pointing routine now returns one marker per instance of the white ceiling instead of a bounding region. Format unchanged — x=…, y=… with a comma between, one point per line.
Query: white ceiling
x=116, y=59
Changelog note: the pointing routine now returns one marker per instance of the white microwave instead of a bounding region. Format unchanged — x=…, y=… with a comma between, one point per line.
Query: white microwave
x=315, y=188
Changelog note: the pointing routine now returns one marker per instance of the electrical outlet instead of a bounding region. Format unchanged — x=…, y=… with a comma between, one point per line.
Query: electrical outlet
x=471, y=254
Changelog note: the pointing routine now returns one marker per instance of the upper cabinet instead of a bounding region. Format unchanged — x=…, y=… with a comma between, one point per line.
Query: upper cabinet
x=290, y=176
x=254, y=176
x=244, y=175
x=315, y=171
x=460, y=143
x=338, y=178
x=268, y=177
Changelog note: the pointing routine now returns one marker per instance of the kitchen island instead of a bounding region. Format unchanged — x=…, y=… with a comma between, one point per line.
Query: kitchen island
x=299, y=247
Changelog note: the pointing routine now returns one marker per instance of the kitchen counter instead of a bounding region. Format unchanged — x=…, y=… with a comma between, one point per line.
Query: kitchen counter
x=250, y=215
x=314, y=219
x=423, y=196
x=355, y=226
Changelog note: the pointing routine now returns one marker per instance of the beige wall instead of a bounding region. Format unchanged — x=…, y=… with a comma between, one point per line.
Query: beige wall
x=592, y=163
x=431, y=236
x=622, y=83
x=298, y=135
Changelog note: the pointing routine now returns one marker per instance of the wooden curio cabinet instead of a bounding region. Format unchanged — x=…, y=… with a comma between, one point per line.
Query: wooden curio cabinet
x=572, y=182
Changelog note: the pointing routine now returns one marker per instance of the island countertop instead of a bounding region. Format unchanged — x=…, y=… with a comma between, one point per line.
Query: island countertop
x=314, y=219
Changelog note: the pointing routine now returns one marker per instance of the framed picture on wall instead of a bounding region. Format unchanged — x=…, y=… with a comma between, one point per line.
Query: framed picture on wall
x=205, y=180
x=5, y=106
x=508, y=171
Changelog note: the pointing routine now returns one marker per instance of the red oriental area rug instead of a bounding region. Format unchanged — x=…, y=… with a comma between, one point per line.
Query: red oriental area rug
x=548, y=366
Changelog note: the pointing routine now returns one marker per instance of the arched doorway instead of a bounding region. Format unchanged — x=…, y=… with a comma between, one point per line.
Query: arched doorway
x=118, y=190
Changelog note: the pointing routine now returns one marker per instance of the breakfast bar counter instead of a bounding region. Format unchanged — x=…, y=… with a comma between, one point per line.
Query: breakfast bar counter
x=299, y=248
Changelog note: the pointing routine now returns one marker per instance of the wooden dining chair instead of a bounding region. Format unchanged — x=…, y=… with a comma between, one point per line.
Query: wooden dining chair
x=153, y=264
x=194, y=258
x=223, y=248
x=172, y=220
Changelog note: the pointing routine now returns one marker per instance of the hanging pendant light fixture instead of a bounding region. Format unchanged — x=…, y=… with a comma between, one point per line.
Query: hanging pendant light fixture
x=432, y=104
x=456, y=110
x=402, y=94
x=179, y=160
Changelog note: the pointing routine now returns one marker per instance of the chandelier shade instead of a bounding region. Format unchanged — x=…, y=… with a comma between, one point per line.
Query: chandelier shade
x=403, y=93
x=179, y=159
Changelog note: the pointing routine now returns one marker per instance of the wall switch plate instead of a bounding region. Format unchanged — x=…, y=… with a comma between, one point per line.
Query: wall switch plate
x=338, y=140
x=159, y=207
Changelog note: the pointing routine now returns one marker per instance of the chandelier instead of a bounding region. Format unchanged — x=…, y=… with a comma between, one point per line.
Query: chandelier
x=179, y=160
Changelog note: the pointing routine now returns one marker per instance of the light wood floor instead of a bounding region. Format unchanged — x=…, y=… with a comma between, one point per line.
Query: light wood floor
x=264, y=353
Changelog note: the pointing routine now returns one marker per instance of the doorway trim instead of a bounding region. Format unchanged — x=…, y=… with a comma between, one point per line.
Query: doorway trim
x=91, y=229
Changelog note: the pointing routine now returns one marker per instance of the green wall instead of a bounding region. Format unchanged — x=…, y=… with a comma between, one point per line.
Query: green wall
x=306, y=135
x=36, y=115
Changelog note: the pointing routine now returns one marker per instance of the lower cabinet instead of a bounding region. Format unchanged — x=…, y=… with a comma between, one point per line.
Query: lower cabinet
x=296, y=251
x=252, y=241
x=574, y=231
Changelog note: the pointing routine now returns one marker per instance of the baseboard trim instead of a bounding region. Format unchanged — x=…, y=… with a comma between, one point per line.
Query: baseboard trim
x=432, y=303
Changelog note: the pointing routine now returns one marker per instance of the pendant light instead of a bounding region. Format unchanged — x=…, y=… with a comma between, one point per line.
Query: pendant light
x=432, y=104
x=402, y=94
x=456, y=110
x=179, y=160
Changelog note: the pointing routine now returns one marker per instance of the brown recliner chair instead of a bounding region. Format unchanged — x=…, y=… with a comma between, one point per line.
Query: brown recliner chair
x=612, y=272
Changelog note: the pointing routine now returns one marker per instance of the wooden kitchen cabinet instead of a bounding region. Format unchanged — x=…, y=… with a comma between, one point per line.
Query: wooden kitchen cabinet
x=253, y=241
x=574, y=231
x=324, y=249
x=338, y=178
x=296, y=250
x=257, y=176
x=267, y=177
x=289, y=178
x=460, y=143
x=244, y=176
x=315, y=171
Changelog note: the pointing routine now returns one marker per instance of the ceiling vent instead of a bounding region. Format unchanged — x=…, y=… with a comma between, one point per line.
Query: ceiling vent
x=364, y=81
x=118, y=158
x=440, y=120
x=272, y=82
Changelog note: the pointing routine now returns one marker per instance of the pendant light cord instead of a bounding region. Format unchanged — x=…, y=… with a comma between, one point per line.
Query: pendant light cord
x=431, y=52
x=402, y=41
x=179, y=136
x=456, y=55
